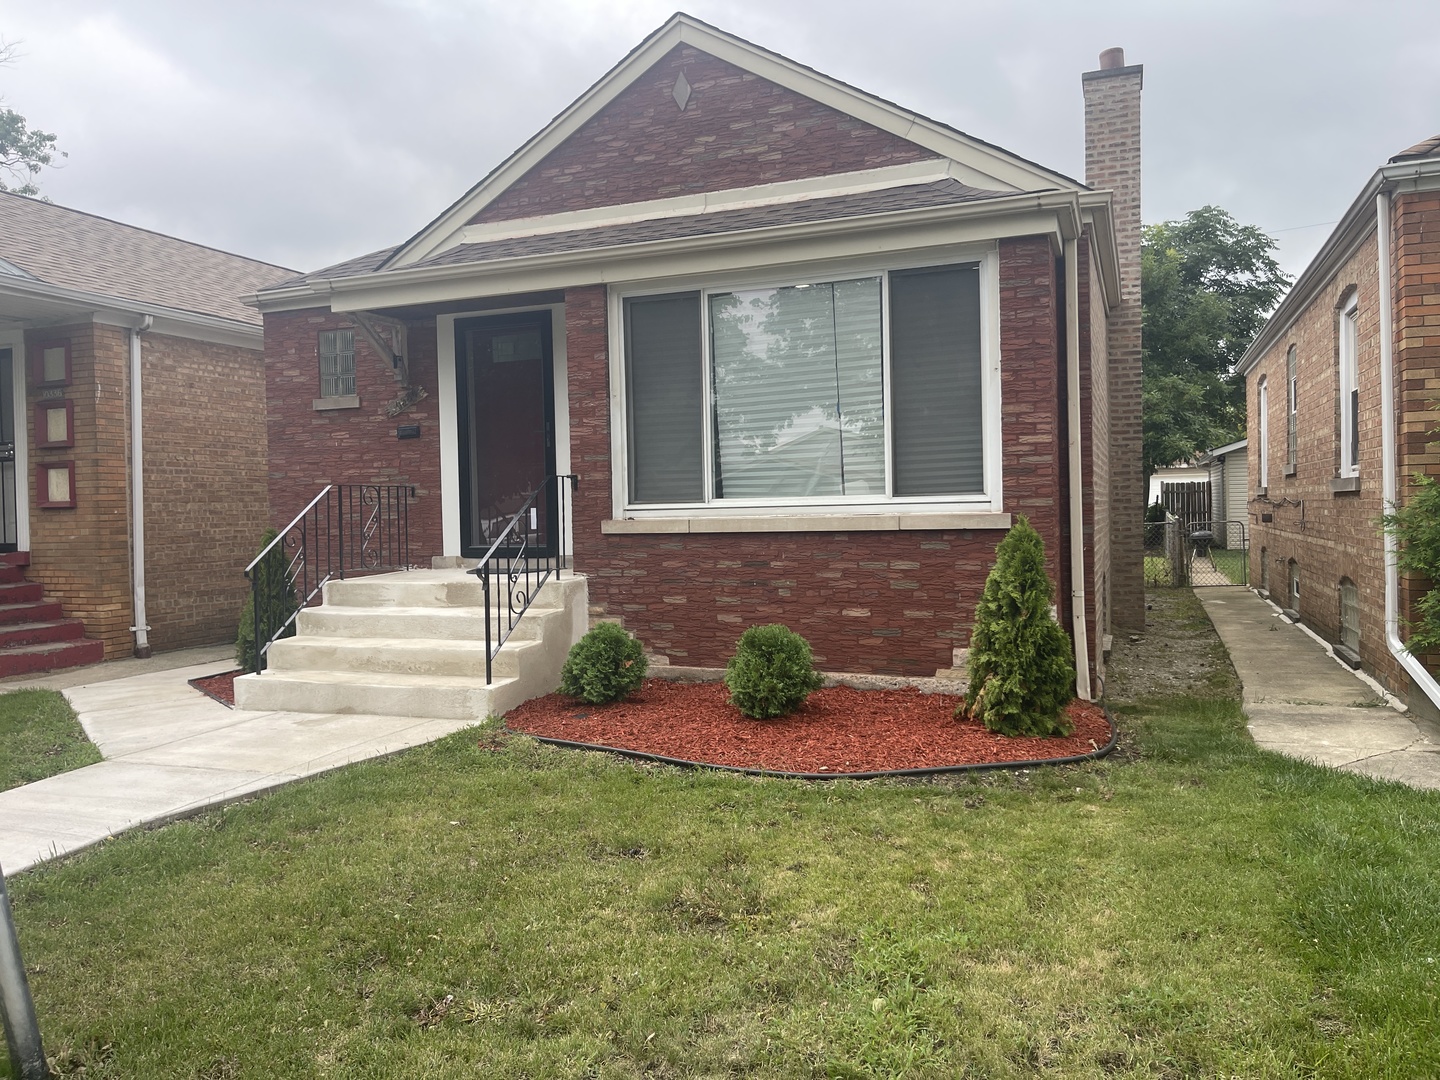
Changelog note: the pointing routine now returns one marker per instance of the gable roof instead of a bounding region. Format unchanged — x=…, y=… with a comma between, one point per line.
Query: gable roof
x=72, y=250
x=973, y=161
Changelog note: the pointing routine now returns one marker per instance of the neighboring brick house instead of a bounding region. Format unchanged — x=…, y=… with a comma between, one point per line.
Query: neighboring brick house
x=95, y=318
x=809, y=353
x=1341, y=386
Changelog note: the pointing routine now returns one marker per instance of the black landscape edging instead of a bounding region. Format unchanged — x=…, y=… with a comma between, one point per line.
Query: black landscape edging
x=232, y=671
x=935, y=770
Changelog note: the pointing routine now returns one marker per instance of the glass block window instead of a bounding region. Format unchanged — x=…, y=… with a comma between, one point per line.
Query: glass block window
x=1349, y=615
x=1264, y=571
x=337, y=363
x=1294, y=569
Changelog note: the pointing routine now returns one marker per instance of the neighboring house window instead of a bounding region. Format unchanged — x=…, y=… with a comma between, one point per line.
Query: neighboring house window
x=1292, y=410
x=1349, y=615
x=1349, y=391
x=1264, y=406
x=337, y=363
x=845, y=391
x=1294, y=569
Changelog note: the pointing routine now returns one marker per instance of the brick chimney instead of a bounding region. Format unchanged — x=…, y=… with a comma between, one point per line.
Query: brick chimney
x=1112, y=163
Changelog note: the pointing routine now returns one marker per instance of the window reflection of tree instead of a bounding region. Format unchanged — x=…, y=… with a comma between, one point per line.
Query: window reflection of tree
x=798, y=390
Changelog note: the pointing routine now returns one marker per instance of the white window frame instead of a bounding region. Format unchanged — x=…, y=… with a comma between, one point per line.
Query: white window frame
x=1349, y=381
x=990, y=500
x=1292, y=410
x=1263, y=394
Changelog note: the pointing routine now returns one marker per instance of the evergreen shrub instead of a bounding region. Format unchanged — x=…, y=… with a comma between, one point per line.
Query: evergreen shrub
x=771, y=673
x=1022, y=672
x=277, y=602
x=604, y=665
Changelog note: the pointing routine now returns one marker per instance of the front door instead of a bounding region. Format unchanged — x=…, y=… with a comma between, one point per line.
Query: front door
x=505, y=394
x=9, y=526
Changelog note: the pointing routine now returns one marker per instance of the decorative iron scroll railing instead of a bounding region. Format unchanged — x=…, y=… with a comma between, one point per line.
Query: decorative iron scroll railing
x=347, y=528
x=522, y=558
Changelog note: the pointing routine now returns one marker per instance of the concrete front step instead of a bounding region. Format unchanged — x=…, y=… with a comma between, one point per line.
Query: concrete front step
x=39, y=633
x=33, y=612
x=21, y=592
x=413, y=644
x=437, y=623
x=50, y=656
x=434, y=696
x=397, y=656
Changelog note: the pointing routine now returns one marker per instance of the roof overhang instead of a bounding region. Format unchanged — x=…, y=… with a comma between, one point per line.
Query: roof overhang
x=30, y=303
x=1354, y=228
x=1057, y=213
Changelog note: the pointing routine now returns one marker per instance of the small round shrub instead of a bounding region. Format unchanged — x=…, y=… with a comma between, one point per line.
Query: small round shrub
x=771, y=673
x=604, y=665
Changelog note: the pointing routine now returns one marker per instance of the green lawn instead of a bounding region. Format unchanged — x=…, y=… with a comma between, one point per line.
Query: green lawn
x=39, y=737
x=1232, y=564
x=1195, y=907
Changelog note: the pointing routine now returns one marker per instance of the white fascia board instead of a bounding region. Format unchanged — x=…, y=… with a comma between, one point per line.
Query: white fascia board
x=117, y=311
x=880, y=234
x=978, y=164
x=791, y=191
x=1353, y=229
x=1096, y=210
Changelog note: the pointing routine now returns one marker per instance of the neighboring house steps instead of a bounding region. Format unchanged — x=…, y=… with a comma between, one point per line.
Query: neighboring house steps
x=34, y=633
x=413, y=644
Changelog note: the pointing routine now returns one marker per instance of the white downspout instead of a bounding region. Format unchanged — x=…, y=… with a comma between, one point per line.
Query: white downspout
x=1416, y=670
x=141, y=629
x=1077, y=495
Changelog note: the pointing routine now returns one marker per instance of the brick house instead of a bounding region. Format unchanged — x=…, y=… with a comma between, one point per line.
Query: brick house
x=132, y=437
x=809, y=353
x=1341, y=386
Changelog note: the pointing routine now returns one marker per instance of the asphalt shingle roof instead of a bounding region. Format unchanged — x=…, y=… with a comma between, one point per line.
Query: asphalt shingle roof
x=1428, y=148
x=75, y=250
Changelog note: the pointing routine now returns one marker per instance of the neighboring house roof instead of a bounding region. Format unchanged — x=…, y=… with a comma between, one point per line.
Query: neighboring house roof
x=73, y=250
x=1221, y=451
x=1417, y=165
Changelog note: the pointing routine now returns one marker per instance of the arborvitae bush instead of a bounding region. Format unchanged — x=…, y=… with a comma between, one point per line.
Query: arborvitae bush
x=1022, y=673
x=1416, y=528
x=604, y=665
x=771, y=673
x=277, y=602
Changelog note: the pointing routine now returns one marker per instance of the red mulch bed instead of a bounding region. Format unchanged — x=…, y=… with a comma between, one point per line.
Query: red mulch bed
x=837, y=731
x=220, y=687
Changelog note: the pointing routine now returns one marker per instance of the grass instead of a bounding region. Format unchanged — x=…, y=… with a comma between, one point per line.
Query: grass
x=478, y=907
x=1232, y=563
x=39, y=737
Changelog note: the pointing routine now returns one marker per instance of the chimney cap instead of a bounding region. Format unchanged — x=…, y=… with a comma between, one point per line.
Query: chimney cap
x=1111, y=59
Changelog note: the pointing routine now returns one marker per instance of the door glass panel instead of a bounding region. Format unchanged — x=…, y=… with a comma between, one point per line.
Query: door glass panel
x=509, y=440
x=9, y=529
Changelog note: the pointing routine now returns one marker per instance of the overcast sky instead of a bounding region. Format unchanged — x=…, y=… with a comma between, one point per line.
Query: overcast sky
x=308, y=131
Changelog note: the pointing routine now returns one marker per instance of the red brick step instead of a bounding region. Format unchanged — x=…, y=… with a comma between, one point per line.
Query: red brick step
x=50, y=656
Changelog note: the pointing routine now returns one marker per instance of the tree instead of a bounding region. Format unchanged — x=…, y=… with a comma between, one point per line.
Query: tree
x=23, y=151
x=1207, y=285
x=1022, y=670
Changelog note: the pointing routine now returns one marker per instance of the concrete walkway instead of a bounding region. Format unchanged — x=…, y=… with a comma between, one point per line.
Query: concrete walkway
x=171, y=751
x=1304, y=703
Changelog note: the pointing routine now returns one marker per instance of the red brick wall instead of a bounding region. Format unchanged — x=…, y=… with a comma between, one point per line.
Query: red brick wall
x=82, y=554
x=309, y=449
x=886, y=602
x=205, y=499
x=1332, y=535
x=737, y=130
x=1112, y=161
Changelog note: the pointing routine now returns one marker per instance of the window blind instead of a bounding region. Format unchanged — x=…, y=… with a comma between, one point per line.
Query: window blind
x=935, y=381
x=663, y=384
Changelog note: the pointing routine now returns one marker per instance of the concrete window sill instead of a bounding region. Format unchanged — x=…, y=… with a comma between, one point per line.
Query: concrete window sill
x=1345, y=485
x=1289, y=470
x=325, y=404
x=806, y=523
x=1345, y=656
